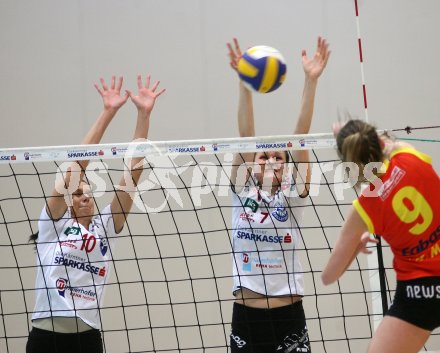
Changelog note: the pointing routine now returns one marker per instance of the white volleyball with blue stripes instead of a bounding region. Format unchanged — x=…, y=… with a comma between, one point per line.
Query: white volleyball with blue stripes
x=262, y=68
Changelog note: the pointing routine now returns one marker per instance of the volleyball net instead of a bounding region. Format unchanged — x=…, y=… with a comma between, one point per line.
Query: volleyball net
x=171, y=271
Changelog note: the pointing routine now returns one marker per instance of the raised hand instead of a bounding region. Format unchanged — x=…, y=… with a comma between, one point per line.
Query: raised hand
x=235, y=53
x=146, y=97
x=111, y=97
x=314, y=67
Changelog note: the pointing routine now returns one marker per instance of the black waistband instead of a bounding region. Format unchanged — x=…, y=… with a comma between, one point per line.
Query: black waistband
x=282, y=313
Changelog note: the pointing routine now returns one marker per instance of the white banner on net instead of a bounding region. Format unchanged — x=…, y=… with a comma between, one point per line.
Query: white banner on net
x=164, y=148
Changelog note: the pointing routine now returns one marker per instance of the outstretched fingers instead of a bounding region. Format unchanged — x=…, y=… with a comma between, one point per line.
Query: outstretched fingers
x=115, y=84
x=234, y=53
x=139, y=82
x=119, y=83
x=322, y=51
x=147, y=85
x=304, y=54
x=232, y=57
x=153, y=89
x=100, y=91
x=126, y=96
x=237, y=47
x=155, y=86
x=146, y=96
x=147, y=81
x=141, y=86
x=111, y=95
x=103, y=84
x=160, y=92
x=319, y=44
x=315, y=65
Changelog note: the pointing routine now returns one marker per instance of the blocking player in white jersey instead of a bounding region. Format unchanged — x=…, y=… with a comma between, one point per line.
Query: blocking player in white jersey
x=74, y=243
x=268, y=284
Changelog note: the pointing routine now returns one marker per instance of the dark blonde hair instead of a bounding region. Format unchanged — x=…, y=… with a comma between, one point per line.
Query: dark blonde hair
x=358, y=142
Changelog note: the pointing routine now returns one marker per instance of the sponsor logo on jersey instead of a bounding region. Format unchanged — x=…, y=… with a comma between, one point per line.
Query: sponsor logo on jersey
x=277, y=239
x=77, y=292
x=69, y=244
x=396, y=175
x=73, y=231
x=280, y=212
x=80, y=265
x=244, y=216
x=103, y=246
x=86, y=294
x=61, y=285
x=252, y=204
x=70, y=256
x=263, y=265
x=247, y=265
x=423, y=244
x=260, y=262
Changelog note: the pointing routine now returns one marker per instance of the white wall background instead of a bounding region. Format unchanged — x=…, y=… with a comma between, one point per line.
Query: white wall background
x=53, y=51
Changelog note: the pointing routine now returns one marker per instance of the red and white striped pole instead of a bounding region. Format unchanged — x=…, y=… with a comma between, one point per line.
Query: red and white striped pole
x=361, y=59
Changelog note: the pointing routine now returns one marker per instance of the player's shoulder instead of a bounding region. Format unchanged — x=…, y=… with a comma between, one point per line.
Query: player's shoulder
x=405, y=150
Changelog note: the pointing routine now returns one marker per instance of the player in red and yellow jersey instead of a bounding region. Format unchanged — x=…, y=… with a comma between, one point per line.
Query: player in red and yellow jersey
x=403, y=206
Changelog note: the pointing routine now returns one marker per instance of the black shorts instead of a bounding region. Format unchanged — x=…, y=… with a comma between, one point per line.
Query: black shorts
x=42, y=341
x=417, y=301
x=281, y=330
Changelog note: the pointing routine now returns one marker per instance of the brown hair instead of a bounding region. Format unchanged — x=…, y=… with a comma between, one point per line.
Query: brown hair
x=358, y=142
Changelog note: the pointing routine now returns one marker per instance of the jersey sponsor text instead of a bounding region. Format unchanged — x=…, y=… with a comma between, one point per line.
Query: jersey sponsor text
x=264, y=238
x=86, y=267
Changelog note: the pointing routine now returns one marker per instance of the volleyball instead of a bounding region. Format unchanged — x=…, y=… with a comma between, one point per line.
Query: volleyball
x=262, y=68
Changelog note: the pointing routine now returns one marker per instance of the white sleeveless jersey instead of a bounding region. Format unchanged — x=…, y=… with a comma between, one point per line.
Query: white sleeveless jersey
x=73, y=266
x=265, y=236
